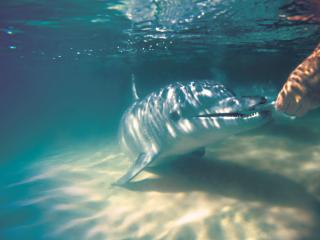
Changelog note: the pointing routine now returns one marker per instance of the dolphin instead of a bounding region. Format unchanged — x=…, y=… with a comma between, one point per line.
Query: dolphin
x=183, y=118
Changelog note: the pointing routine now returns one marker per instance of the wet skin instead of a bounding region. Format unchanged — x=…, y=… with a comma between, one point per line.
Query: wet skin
x=301, y=92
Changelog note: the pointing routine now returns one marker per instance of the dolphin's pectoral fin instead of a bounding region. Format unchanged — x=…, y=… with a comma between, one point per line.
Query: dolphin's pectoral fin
x=139, y=164
x=199, y=153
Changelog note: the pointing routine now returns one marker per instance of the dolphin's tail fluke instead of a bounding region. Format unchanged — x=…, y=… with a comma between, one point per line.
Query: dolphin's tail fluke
x=134, y=90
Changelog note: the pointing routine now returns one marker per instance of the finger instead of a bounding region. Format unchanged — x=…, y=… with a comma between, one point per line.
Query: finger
x=291, y=105
x=302, y=108
x=297, y=87
x=295, y=98
x=286, y=97
x=280, y=101
x=290, y=97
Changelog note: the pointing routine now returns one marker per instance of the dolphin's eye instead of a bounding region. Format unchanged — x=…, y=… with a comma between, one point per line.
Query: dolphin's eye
x=174, y=116
x=232, y=102
x=198, y=88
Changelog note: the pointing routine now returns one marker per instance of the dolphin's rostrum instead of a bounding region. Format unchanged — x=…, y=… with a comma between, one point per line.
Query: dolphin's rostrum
x=182, y=118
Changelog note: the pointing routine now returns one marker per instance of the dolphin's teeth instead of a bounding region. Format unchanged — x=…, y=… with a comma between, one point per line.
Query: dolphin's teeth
x=252, y=115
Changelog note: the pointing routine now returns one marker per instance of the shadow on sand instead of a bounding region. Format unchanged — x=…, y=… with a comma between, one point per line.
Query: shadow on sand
x=303, y=135
x=227, y=179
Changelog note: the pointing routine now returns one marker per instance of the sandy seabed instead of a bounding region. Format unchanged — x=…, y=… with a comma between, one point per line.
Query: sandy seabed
x=260, y=185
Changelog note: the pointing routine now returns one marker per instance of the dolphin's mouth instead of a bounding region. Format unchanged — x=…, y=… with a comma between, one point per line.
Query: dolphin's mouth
x=233, y=115
x=261, y=109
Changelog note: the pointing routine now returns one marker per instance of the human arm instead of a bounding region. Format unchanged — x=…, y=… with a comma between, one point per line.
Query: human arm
x=301, y=91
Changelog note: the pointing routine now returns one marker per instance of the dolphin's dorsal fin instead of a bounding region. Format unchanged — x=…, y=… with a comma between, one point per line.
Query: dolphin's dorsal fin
x=134, y=90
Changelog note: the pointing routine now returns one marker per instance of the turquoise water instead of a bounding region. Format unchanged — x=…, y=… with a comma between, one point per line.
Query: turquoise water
x=66, y=70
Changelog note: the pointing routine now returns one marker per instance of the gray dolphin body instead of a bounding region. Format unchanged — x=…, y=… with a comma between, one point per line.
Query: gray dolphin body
x=182, y=118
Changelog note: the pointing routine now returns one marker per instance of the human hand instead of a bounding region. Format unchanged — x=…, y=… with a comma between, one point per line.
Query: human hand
x=301, y=92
